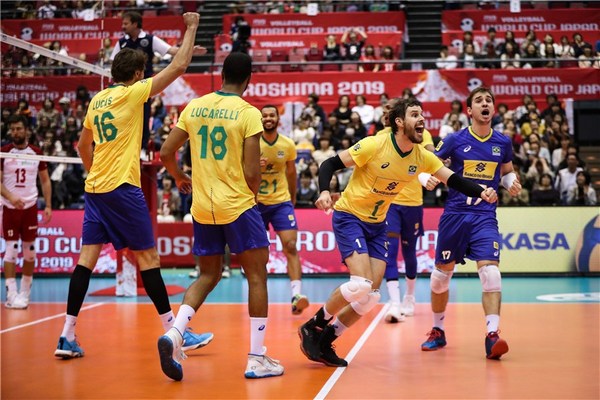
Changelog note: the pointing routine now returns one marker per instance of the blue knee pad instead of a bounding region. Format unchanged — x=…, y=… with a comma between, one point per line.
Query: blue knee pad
x=391, y=267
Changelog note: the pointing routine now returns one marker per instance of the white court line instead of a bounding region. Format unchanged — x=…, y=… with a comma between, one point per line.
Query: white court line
x=353, y=352
x=39, y=321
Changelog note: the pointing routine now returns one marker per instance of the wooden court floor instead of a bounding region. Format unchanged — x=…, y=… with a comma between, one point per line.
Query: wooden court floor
x=554, y=354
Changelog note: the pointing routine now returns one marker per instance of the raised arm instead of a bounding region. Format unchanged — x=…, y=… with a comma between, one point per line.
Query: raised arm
x=181, y=60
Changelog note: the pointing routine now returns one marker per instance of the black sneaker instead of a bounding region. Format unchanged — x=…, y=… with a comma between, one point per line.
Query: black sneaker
x=309, y=340
x=328, y=356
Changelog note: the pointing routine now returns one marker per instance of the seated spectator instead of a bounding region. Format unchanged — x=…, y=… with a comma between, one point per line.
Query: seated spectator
x=331, y=50
x=324, y=151
x=368, y=58
x=355, y=129
x=544, y=193
x=534, y=126
x=586, y=59
x=451, y=126
x=353, y=44
x=343, y=111
x=468, y=39
x=578, y=44
x=303, y=133
x=313, y=108
x=550, y=57
x=306, y=195
x=572, y=149
x=530, y=54
x=46, y=11
x=48, y=111
x=530, y=38
x=337, y=130
x=26, y=67
x=366, y=111
x=489, y=54
x=169, y=201
x=548, y=40
x=388, y=57
x=582, y=192
x=379, y=111
x=491, y=43
x=334, y=184
x=498, y=118
x=468, y=57
x=510, y=57
x=446, y=60
x=313, y=168
x=87, y=14
x=456, y=107
x=534, y=146
x=538, y=167
x=567, y=177
x=564, y=49
x=509, y=37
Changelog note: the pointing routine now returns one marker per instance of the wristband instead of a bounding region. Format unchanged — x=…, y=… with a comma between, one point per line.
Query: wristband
x=423, y=178
x=508, y=179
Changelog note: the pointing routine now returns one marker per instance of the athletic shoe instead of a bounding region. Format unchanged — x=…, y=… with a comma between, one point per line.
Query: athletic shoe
x=226, y=272
x=16, y=301
x=494, y=346
x=195, y=273
x=66, y=349
x=262, y=366
x=171, y=355
x=309, y=340
x=408, y=305
x=394, y=314
x=193, y=341
x=328, y=355
x=436, y=340
x=299, y=303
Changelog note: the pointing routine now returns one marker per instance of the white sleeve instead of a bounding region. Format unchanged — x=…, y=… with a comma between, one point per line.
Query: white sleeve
x=116, y=49
x=160, y=46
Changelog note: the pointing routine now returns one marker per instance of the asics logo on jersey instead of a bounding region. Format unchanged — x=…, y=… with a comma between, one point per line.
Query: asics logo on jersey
x=385, y=165
x=466, y=149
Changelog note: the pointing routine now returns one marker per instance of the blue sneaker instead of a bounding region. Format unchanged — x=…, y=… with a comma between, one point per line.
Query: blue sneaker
x=193, y=341
x=436, y=340
x=66, y=349
x=171, y=355
x=494, y=346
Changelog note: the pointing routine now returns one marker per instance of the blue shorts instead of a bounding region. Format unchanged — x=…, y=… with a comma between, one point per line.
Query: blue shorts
x=475, y=237
x=119, y=217
x=407, y=221
x=281, y=216
x=245, y=233
x=353, y=235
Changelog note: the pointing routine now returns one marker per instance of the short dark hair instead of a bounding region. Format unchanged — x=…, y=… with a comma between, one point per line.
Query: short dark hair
x=135, y=18
x=399, y=111
x=15, y=119
x=271, y=106
x=237, y=67
x=480, y=89
x=126, y=63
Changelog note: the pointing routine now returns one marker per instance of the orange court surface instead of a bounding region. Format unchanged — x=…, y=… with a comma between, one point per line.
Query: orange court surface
x=554, y=349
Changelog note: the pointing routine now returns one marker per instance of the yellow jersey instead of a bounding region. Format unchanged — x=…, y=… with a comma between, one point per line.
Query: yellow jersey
x=381, y=172
x=115, y=116
x=217, y=124
x=412, y=194
x=274, y=184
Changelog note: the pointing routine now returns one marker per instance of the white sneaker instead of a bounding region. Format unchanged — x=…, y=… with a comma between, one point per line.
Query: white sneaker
x=226, y=272
x=195, y=273
x=24, y=296
x=394, y=314
x=15, y=301
x=171, y=354
x=408, y=305
x=262, y=366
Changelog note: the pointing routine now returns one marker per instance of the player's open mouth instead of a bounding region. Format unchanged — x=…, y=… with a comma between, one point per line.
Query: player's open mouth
x=485, y=112
x=419, y=129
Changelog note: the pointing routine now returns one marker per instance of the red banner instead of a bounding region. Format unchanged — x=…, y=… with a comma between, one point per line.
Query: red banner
x=322, y=23
x=279, y=88
x=306, y=41
x=454, y=38
x=568, y=19
x=74, y=47
x=168, y=28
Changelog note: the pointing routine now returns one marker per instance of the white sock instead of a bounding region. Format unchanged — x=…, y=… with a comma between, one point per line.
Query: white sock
x=69, y=328
x=11, y=285
x=296, y=286
x=492, y=321
x=410, y=286
x=184, y=316
x=26, y=282
x=326, y=313
x=393, y=288
x=338, y=327
x=258, y=327
x=167, y=320
x=438, y=320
